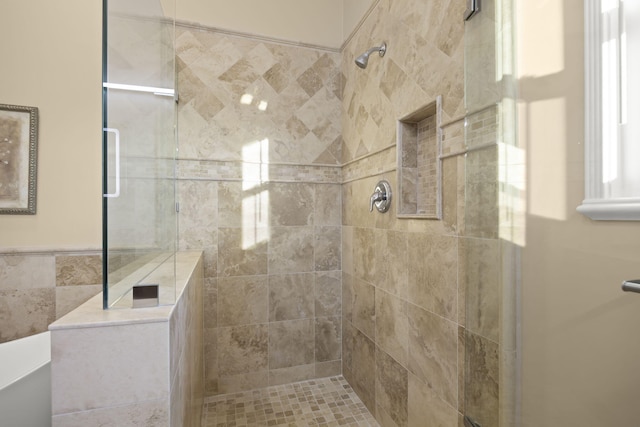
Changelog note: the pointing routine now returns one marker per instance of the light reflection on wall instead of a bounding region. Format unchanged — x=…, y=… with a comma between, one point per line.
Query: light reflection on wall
x=610, y=102
x=547, y=123
x=247, y=99
x=512, y=179
x=255, y=203
x=545, y=56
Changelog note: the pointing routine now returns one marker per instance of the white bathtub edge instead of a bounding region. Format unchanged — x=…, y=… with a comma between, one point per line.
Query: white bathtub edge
x=23, y=356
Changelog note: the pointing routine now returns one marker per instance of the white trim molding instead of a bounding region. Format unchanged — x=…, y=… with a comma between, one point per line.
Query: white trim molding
x=612, y=191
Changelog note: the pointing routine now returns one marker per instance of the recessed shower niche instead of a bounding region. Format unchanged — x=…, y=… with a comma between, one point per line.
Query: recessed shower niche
x=419, y=182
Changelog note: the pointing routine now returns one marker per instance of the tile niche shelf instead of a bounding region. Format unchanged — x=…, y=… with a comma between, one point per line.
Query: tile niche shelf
x=419, y=175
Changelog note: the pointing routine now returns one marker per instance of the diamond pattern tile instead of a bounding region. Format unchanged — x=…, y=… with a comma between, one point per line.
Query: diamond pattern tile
x=246, y=90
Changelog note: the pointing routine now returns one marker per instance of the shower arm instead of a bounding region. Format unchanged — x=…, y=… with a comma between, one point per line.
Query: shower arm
x=380, y=49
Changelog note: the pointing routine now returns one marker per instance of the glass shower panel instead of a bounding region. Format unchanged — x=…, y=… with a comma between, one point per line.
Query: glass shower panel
x=139, y=210
x=490, y=245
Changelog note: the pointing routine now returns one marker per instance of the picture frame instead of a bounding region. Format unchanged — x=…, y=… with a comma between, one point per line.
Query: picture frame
x=18, y=159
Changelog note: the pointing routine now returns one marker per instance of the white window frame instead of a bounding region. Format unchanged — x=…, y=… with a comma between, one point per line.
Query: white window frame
x=603, y=85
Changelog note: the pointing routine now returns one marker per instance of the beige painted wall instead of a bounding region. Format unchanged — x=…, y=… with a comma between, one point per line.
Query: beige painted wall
x=51, y=59
x=579, y=330
x=352, y=13
x=307, y=21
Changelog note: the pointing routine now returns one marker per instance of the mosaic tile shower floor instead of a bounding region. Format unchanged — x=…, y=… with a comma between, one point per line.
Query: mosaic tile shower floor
x=322, y=402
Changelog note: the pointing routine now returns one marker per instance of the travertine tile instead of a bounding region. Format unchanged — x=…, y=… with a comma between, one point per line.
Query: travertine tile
x=392, y=326
x=242, y=300
x=291, y=296
x=481, y=203
x=239, y=258
x=328, y=369
x=78, y=270
x=291, y=343
x=328, y=294
x=480, y=277
x=216, y=70
x=310, y=81
x=347, y=297
x=482, y=379
x=409, y=153
x=211, y=371
x=426, y=408
x=242, y=382
x=363, y=364
x=348, y=332
x=450, y=193
x=198, y=211
x=481, y=207
x=322, y=402
x=462, y=350
x=231, y=211
x=238, y=75
x=392, y=268
x=327, y=248
x=347, y=250
x=347, y=205
x=433, y=283
x=364, y=308
x=415, y=262
x=328, y=202
x=242, y=349
x=408, y=191
x=433, y=352
x=291, y=204
x=239, y=182
x=27, y=272
x=392, y=388
x=210, y=255
x=210, y=296
x=277, y=77
x=291, y=374
x=328, y=337
x=26, y=312
x=364, y=254
x=297, y=128
x=291, y=250
x=383, y=418
x=461, y=196
x=453, y=138
x=482, y=128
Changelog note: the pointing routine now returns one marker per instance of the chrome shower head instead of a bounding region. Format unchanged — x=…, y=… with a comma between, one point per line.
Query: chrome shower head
x=363, y=60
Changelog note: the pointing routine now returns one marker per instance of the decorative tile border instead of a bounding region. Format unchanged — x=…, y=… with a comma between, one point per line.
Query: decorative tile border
x=372, y=164
x=212, y=170
x=199, y=27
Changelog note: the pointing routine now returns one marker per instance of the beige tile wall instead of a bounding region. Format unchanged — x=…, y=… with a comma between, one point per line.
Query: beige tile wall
x=420, y=297
x=259, y=185
x=38, y=288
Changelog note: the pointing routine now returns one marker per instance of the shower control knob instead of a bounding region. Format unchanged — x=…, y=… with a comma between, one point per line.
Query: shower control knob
x=381, y=197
